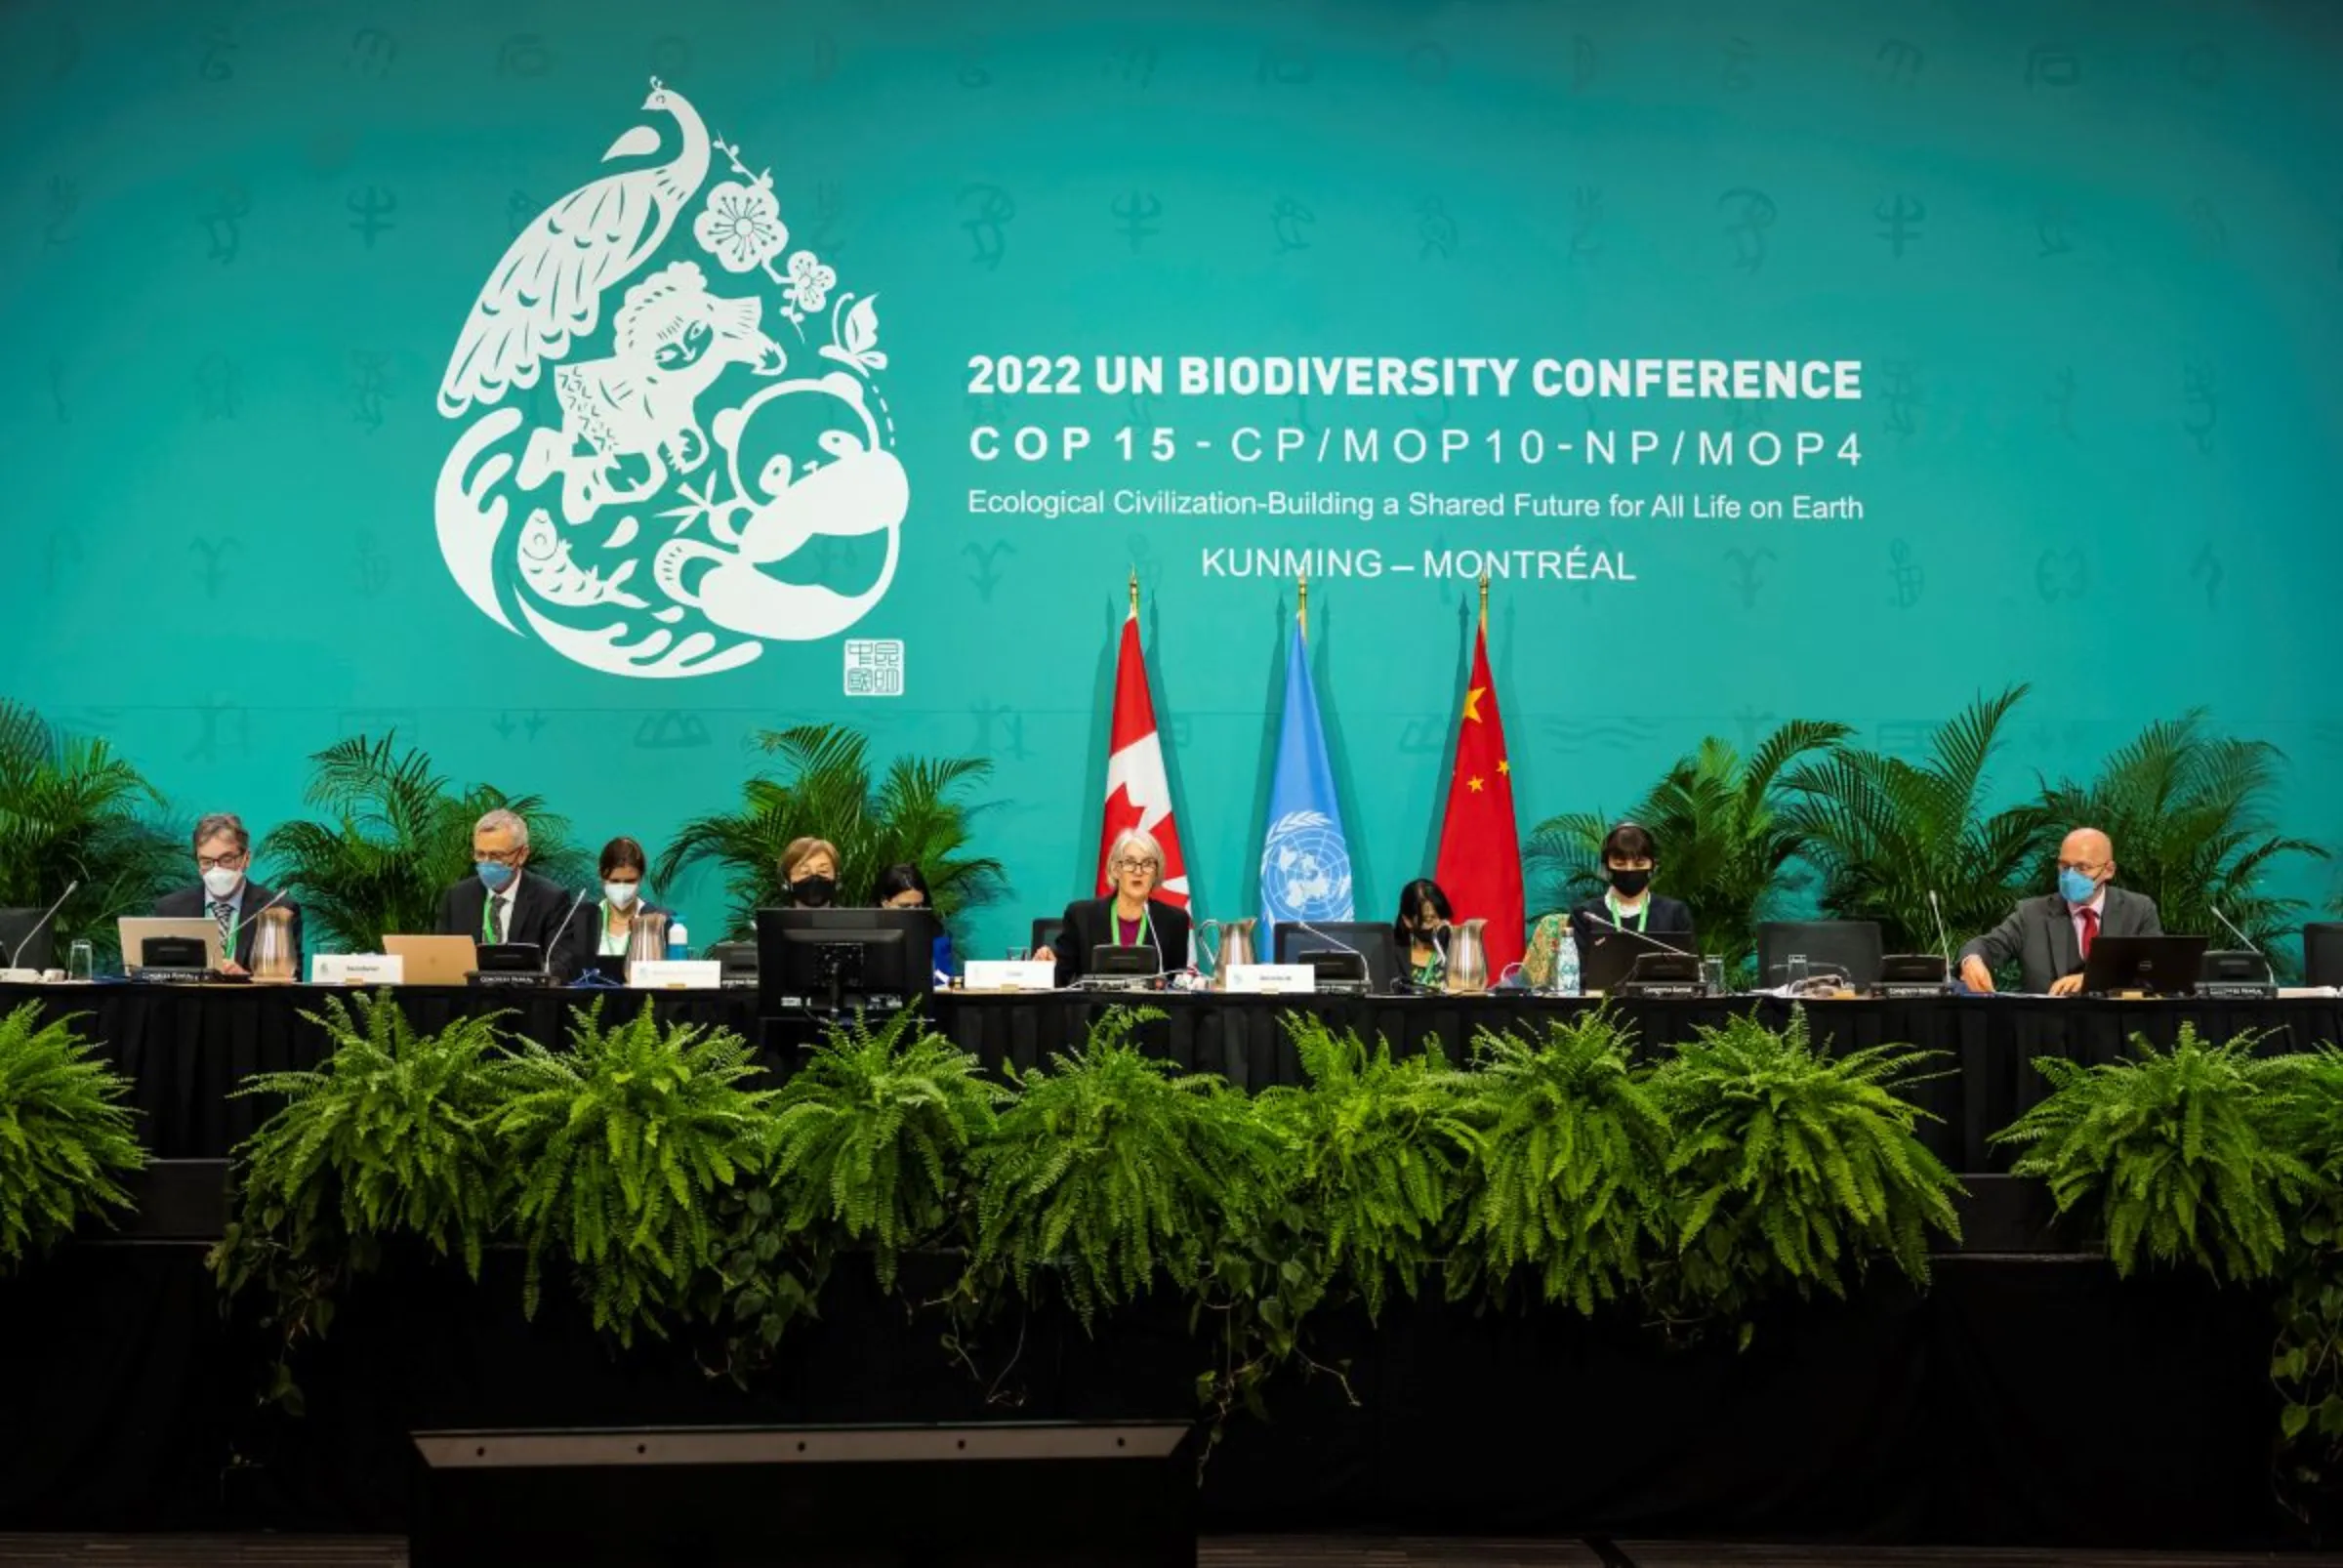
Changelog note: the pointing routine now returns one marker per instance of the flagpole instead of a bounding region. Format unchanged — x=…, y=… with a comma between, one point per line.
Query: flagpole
x=1301, y=603
x=1484, y=603
x=1135, y=593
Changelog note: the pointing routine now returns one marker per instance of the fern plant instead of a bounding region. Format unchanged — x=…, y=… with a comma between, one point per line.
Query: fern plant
x=66, y=1139
x=1791, y=1169
x=395, y=835
x=1887, y=831
x=385, y=1140
x=619, y=1148
x=871, y=1134
x=1112, y=1170
x=914, y=815
x=1376, y=1152
x=73, y=811
x=2179, y=1154
x=2306, y=1361
x=1568, y=1187
x=1728, y=836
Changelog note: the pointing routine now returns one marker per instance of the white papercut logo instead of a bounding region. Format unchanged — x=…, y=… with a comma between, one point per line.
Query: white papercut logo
x=1306, y=869
x=689, y=462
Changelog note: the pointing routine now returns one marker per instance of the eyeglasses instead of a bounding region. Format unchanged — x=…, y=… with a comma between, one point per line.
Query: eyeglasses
x=1128, y=864
x=503, y=857
x=2088, y=867
x=231, y=861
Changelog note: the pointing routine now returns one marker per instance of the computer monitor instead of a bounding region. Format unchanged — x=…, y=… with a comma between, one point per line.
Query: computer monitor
x=1371, y=940
x=2166, y=966
x=1609, y=957
x=40, y=953
x=840, y=959
x=1848, y=947
x=2322, y=952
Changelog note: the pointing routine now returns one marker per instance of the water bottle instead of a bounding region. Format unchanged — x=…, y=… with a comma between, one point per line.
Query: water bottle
x=1566, y=965
x=679, y=941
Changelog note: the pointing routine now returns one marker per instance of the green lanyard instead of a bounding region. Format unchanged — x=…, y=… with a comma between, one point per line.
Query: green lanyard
x=1642, y=916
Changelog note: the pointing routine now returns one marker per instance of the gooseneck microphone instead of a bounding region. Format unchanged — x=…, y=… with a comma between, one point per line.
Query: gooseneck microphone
x=1944, y=943
x=2250, y=945
x=1641, y=937
x=1365, y=968
x=40, y=924
x=544, y=963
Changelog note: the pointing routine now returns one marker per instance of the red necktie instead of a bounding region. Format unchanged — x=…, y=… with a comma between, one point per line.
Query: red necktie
x=2090, y=929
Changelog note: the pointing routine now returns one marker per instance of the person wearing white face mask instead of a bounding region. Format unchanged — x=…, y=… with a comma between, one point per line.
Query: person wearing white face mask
x=227, y=893
x=624, y=864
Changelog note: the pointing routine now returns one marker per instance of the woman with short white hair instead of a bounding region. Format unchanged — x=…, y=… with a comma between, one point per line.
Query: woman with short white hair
x=1130, y=917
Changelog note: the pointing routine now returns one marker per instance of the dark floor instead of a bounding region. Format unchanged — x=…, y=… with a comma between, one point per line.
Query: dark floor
x=1257, y=1552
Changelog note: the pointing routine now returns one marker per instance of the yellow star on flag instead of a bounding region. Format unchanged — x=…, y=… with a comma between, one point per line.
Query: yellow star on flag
x=1472, y=703
x=1474, y=783
x=1503, y=767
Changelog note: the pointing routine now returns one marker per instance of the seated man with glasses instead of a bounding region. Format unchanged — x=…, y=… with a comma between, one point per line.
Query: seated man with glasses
x=226, y=894
x=504, y=901
x=1129, y=918
x=2049, y=937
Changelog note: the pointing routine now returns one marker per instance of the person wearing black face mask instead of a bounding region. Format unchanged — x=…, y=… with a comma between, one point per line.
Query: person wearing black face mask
x=1629, y=855
x=810, y=872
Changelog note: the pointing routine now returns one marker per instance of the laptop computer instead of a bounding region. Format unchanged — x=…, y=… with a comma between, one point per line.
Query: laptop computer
x=2162, y=966
x=434, y=960
x=136, y=930
x=1610, y=958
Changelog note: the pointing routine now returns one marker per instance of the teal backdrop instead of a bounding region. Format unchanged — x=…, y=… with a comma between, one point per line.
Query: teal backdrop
x=2089, y=260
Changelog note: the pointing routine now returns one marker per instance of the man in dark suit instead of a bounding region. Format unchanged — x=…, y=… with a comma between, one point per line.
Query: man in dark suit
x=1130, y=917
x=2049, y=937
x=227, y=893
x=504, y=901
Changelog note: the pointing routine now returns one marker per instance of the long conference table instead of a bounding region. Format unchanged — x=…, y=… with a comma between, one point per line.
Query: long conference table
x=187, y=1048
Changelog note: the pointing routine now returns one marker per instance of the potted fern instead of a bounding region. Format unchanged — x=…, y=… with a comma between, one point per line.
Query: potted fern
x=66, y=1139
x=394, y=835
x=914, y=815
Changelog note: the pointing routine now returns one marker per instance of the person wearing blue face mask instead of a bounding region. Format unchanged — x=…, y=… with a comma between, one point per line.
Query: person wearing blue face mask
x=2049, y=937
x=504, y=901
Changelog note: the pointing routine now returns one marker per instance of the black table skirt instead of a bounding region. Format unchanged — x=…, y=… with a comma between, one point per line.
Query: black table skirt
x=186, y=1048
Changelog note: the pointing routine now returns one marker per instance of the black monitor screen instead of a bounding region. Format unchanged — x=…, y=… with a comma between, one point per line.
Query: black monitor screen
x=839, y=958
x=24, y=938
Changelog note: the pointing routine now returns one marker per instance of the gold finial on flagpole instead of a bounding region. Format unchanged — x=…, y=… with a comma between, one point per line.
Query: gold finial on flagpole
x=1134, y=591
x=1484, y=601
x=1301, y=603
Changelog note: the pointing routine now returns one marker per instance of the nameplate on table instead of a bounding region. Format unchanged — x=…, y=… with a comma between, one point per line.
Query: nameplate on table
x=1271, y=980
x=1008, y=975
x=676, y=974
x=357, y=968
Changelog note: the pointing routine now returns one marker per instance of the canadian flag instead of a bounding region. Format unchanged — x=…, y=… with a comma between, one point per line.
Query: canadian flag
x=1138, y=792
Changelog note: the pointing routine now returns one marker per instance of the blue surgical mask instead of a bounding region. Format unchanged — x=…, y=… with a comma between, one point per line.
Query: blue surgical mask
x=494, y=874
x=2075, y=888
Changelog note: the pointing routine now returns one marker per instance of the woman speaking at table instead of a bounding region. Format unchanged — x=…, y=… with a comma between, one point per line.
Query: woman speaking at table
x=1131, y=918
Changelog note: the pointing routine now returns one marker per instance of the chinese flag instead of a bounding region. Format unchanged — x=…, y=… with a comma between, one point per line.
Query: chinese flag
x=1480, y=850
x=1138, y=792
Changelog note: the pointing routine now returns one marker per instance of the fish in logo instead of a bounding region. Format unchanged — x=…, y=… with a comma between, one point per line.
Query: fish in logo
x=718, y=414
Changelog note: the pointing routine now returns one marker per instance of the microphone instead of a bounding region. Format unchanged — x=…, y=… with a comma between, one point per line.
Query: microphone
x=1641, y=937
x=35, y=929
x=1944, y=943
x=1366, y=968
x=545, y=964
x=2250, y=947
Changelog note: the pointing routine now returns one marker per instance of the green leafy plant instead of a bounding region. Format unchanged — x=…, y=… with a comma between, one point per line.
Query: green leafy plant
x=915, y=816
x=619, y=1148
x=384, y=1140
x=1568, y=1187
x=1726, y=832
x=2177, y=1154
x=1792, y=1167
x=395, y=838
x=2189, y=813
x=65, y=1139
x=71, y=810
x=1112, y=1172
x=1887, y=831
x=1375, y=1151
x=2306, y=1361
x=871, y=1134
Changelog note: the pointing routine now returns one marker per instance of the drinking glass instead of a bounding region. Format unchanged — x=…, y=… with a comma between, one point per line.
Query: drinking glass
x=1713, y=974
x=1794, y=973
x=81, y=961
x=1019, y=955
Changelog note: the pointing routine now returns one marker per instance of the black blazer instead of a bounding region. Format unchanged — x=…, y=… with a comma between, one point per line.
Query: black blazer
x=1670, y=919
x=1089, y=922
x=196, y=903
x=538, y=909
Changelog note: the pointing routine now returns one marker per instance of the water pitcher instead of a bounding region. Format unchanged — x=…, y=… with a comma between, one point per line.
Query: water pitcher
x=1235, y=947
x=1467, y=958
x=646, y=939
x=273, y=956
